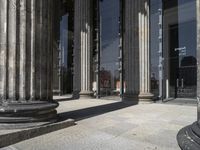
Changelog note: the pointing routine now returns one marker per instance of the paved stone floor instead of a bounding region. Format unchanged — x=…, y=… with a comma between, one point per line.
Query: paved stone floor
x=113, y=125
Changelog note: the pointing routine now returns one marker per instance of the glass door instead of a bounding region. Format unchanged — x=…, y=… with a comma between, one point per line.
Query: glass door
x=179, y=49
x=183, y=69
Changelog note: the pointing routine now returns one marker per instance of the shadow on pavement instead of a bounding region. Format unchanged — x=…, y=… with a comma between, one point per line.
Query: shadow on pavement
x=94, y=111
x=179, y=101
x=62, y=98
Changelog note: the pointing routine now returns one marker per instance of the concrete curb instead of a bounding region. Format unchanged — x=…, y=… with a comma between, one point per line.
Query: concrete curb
x=14, y=137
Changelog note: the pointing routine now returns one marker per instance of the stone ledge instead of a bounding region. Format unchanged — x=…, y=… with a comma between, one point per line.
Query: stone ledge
x=9, y=137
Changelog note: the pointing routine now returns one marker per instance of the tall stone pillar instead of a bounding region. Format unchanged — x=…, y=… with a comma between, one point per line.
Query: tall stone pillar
x=144, y=51
x=189, y=137
x=83, y=46
x=77, y=49
x=26, y=63
x=136, y=50
x=131, y=50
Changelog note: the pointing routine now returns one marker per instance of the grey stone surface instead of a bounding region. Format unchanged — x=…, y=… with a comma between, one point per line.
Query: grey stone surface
x=131, y=49
x=83, y=47
x=144, y=50
x=26, y=62
x=26, y=50
x=134, y=127
x=8, y=137
x=136, y=50
x=198, y=57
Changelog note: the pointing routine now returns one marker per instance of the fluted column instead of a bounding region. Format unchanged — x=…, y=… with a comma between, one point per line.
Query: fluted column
x=83, y=46
x=77, y=49
x=136, y=50
x=131, y=50
x=144, y=51
x=189, y=137
x=26, y=62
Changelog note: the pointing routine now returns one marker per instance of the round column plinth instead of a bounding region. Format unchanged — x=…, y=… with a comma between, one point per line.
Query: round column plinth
x=27, y=114
x=86, y=94
x=146, y=97
x=133, y=98
x=76, y=95
x=189, y=137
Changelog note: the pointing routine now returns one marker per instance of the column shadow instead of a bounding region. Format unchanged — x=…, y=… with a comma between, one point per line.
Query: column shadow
x=85, y=113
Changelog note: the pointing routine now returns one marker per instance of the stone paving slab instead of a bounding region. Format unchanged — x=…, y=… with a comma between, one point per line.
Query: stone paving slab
x=8, y=137
x=130, y=127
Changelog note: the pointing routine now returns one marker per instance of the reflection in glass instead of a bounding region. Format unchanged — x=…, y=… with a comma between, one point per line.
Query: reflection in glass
x=63, y=51
x=109, y=48
x=179, y=48
x=154, y=44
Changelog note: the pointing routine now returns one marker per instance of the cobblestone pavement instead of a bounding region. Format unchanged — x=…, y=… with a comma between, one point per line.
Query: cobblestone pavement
x=113, y=125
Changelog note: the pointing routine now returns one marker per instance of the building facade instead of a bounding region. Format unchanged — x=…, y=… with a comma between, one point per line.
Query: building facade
x=134, y=50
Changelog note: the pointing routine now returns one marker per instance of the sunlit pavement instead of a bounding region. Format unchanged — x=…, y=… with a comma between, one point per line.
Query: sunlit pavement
x=113, y=125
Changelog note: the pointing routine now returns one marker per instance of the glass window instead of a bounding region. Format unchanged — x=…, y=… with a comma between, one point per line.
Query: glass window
x=109, y=47
x=179, y=45
x=156, y=6
x=178, y=48
x=63, y=49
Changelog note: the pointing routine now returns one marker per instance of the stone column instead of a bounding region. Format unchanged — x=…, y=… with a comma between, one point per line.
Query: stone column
x=144, y=51
x=136, y=50
x=26, y=63
x=131, y=50
x=76, y=54
x=83, y=46
x=189, y=137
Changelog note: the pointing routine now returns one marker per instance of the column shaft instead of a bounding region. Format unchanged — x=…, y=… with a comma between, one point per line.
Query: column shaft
x=3, y=49
x=22, y=48
x=131, y=50
x=136, y=50
x=12, y=49
x=144, y=51
x=82, y=60
x=77, y=49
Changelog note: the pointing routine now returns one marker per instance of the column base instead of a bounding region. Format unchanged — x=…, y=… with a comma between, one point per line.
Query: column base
x=189, y=137
x=76, y=95
x=27, y=114
x=86, y=94
x=146, y=97
x=128, y=97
